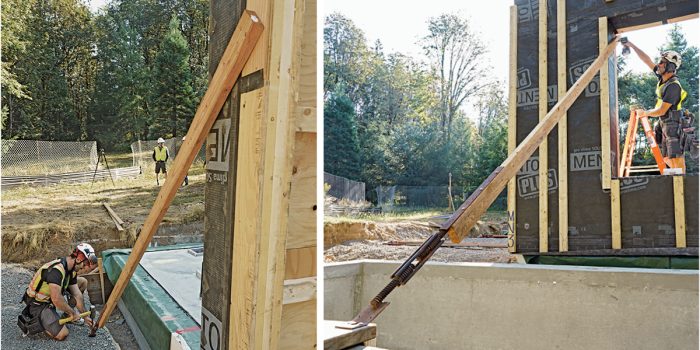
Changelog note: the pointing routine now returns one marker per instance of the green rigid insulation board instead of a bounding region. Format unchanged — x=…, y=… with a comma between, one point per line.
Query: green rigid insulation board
x=156, y=313
x=651, y=262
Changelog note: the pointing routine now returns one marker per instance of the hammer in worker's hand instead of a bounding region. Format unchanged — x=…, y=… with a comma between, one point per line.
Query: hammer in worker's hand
x=93, y=329
x=86, y=313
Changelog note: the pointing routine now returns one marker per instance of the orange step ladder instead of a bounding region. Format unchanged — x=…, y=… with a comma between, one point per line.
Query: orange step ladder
x=628, y=151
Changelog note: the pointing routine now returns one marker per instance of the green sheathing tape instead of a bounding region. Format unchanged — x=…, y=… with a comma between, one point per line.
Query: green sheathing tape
x=650, y=262
x=154, y=310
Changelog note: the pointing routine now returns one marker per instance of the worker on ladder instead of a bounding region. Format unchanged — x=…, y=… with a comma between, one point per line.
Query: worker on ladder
x=669, y=98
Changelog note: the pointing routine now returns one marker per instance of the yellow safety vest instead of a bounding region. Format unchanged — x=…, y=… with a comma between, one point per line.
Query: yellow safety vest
x=161, y=153
x=661, y=88
x=42, y=293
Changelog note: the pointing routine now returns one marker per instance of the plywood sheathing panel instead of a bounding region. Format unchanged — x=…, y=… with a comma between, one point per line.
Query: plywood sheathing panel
x=302, y=204
x=299, y=326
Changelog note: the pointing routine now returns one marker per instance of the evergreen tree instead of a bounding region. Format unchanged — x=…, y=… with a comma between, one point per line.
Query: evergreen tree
x=340, y=143
x=688, y=72
x=57, y=71
x=174, y=94
x=121, y=99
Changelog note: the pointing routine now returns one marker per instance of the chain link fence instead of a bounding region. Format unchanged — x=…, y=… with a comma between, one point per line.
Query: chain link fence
x=30, y=157
x=343, y=188
x=394, y=197
x=143, y=151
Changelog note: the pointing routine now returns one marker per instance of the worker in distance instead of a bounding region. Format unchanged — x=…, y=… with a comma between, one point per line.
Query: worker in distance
x=47, y=291
x=160, y=156
x=668, y=108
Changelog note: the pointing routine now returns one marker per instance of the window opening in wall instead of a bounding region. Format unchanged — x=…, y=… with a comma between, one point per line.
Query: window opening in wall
x=645, y=151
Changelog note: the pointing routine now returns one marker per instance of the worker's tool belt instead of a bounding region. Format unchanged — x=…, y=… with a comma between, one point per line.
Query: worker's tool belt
x=687, y=135
x=671, y=128
x=29, y=324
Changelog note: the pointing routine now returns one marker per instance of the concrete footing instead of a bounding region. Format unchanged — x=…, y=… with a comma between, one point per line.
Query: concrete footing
x=509, y=306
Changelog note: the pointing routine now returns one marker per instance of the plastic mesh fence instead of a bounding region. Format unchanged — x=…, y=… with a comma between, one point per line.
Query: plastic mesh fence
x=343, y=188
x=394, y=197
x=31, y=157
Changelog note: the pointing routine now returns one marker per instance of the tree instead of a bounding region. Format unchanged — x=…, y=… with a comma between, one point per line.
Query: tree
x=13, y=47
x=57, y=70
x=174, y=95
x=345, y=56
x=492, y=130
x=455, y=53
x=688, y=72
x=121, y=103
x=340, y=143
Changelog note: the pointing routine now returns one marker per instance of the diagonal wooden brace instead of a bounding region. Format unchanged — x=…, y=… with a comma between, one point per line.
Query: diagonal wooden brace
x=237, y=52
x=459, y=224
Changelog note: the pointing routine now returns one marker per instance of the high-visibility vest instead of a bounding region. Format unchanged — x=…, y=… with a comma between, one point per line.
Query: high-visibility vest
x=661, y=88
x=39, y=289
x=161, y=153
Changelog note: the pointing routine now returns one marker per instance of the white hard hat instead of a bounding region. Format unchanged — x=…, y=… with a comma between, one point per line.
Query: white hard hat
x=160, y=140
x=673, y=57
x=183, y=138
x=86, y=250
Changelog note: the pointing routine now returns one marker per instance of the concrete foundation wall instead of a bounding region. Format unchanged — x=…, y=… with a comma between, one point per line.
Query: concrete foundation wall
x=498, y=306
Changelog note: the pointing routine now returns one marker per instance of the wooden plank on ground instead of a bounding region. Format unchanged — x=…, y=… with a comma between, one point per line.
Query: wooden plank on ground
x=563, y=149
x=512, y=123
x=459, y=224
x=114, y=220
x=237, y=52
x=338, y=338
x=113, y=214
x=543, y=158
x=615, y=207
x=679, y=210
x=604, y=105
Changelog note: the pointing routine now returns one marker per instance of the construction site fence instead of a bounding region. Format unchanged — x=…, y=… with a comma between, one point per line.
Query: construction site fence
x=32, y=157
x=391, y=198
x=77, y=177
x=142, y=151
x=344, y=188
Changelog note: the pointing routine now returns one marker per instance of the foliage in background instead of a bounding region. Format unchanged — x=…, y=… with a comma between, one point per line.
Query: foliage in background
x=173, y=91
x=70, y=75
x=340, y=135
x=411, y=129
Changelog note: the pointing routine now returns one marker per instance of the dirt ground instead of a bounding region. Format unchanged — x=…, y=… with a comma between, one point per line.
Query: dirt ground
x=356, y=239
x=42, y=223
x=46, y=222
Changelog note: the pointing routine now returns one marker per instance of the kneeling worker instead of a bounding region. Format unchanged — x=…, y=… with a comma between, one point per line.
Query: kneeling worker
x=45, y=294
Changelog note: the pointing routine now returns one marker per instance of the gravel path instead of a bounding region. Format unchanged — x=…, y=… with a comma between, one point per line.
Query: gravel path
x=14, y=280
